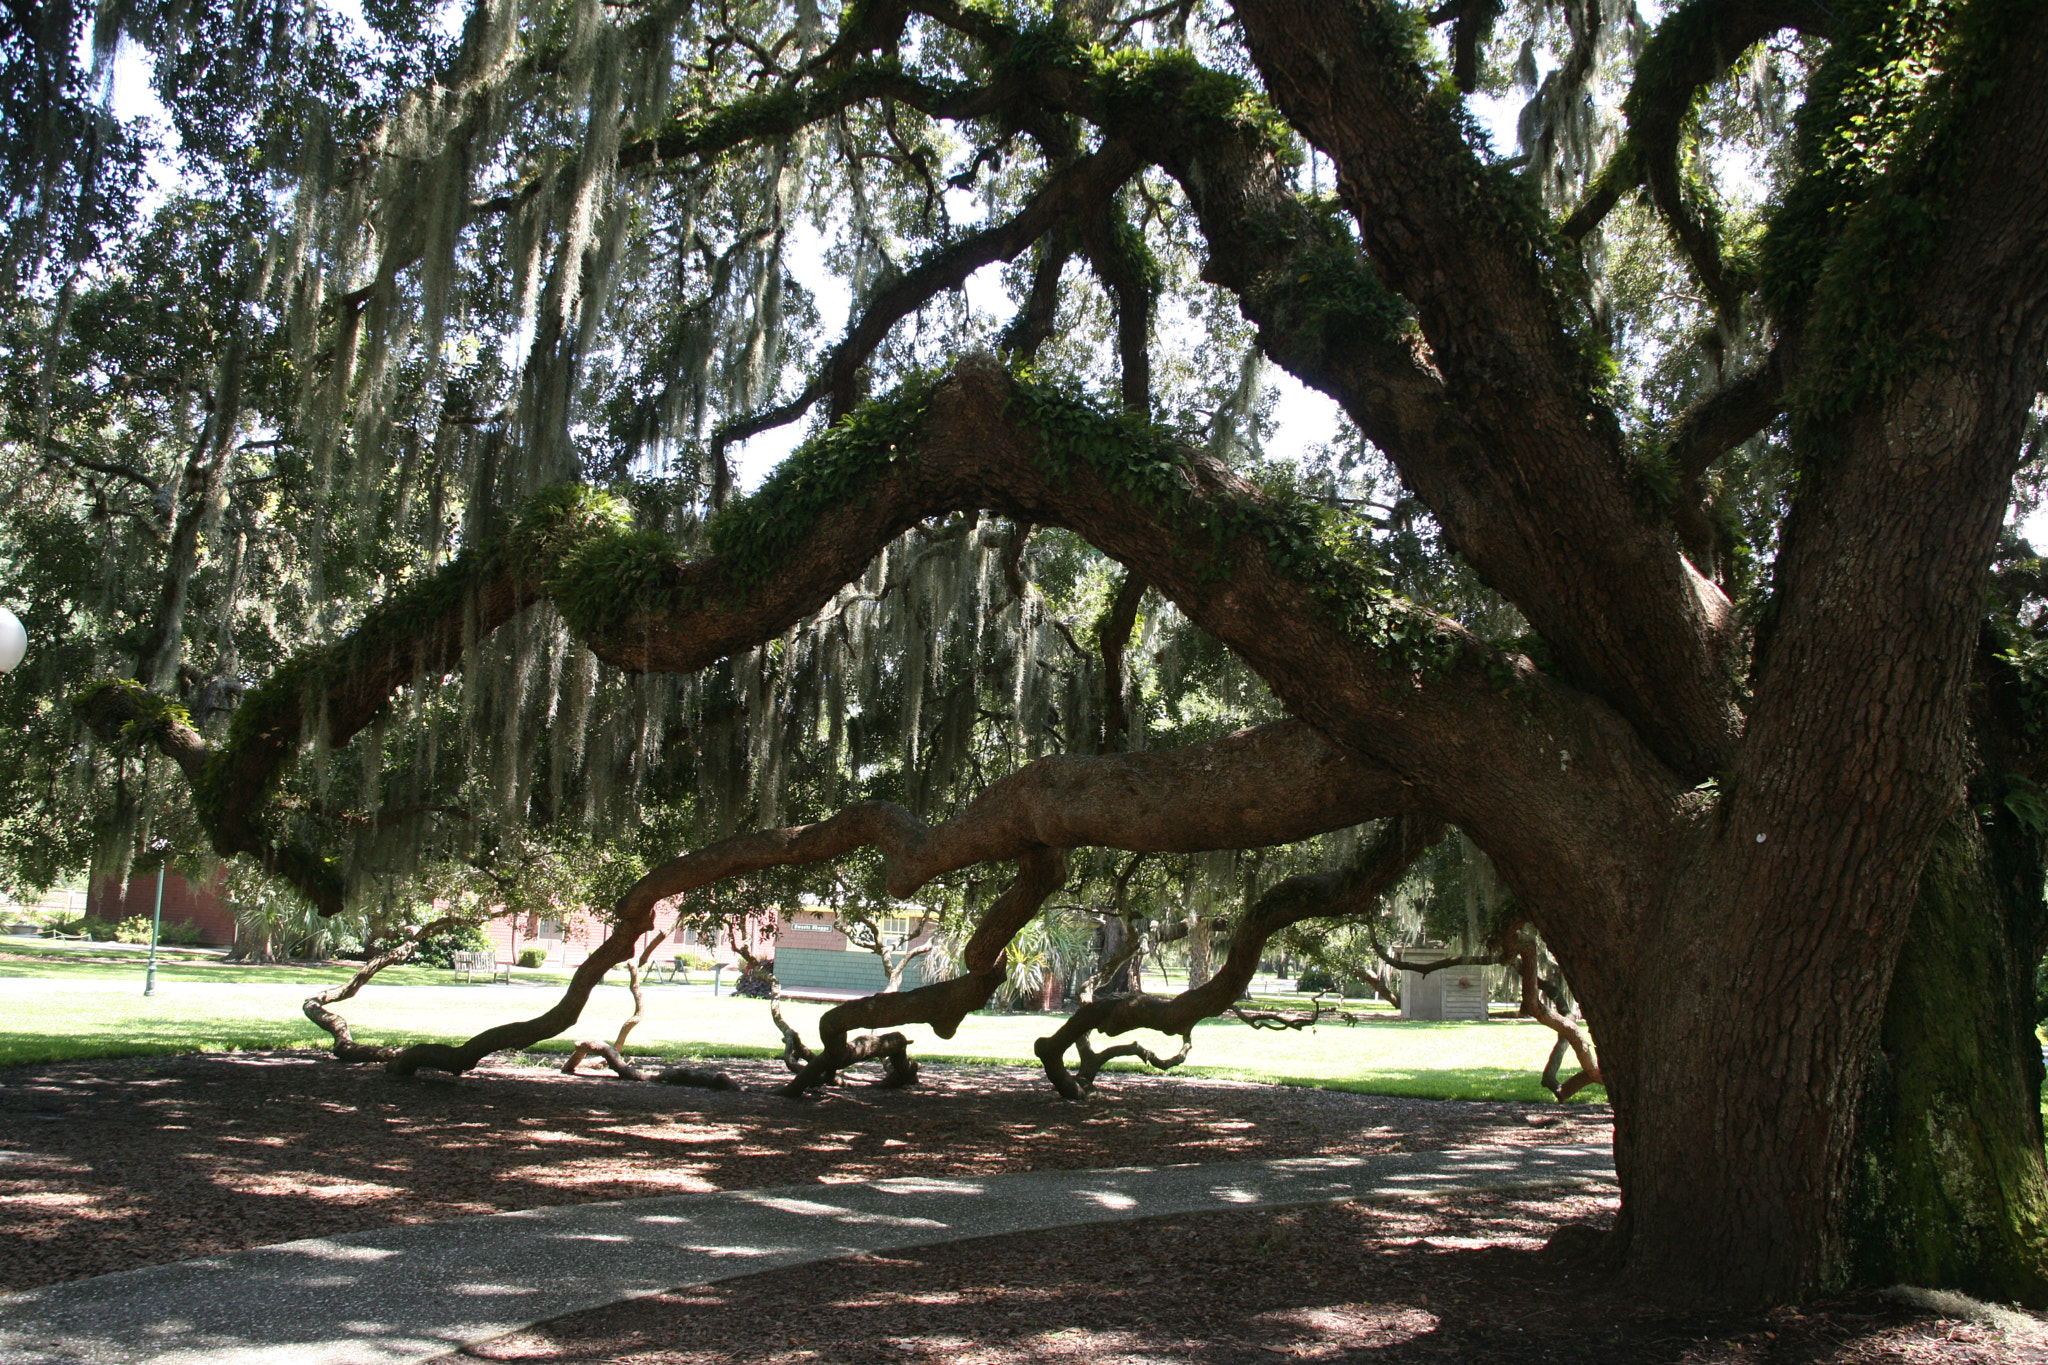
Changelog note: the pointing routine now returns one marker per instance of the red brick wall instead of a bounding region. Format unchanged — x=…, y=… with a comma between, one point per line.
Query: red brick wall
x=204, y=905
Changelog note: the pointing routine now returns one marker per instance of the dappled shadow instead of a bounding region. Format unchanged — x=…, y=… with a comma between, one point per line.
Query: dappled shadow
x=112, y=1165
x=1416, y=1283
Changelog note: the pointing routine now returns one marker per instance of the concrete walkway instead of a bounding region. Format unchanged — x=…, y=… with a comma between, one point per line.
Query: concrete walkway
x=407, y=1293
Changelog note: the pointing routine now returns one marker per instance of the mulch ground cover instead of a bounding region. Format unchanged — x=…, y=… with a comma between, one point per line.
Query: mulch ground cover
x=108, y=1165
x=1385, y=1284
x=1414, y=1283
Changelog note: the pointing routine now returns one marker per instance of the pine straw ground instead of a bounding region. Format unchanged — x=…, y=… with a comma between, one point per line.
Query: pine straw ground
x=113, y=1164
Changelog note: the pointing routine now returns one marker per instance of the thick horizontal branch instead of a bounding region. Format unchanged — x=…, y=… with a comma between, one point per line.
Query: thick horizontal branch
x=1277, y=783
x=1484, y=739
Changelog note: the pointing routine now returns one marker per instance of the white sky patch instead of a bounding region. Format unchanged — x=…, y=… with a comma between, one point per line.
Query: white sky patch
x=2033, y=527
x=133, y=99
x=1303, y=418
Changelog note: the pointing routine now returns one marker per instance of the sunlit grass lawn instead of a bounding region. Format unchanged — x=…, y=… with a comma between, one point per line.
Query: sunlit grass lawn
x=121, y=961
x=53, y=1011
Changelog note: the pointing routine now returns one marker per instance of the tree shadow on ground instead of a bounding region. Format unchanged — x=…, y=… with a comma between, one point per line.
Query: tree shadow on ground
x=1415, y=1283
x=113, y=1165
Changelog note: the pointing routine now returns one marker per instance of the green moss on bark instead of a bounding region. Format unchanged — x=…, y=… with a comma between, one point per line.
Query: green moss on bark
x=1950, y=1188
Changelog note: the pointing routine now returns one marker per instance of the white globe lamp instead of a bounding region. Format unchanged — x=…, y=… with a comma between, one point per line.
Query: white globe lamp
x=13, y=640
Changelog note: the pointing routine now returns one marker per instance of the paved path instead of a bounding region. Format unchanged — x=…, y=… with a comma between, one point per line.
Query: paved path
x=407, y=1293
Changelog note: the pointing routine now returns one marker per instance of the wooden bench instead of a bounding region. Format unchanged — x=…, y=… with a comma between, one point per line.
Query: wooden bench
x=468, y=964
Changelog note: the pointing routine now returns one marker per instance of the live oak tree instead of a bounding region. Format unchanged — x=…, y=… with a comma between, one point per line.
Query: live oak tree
x=1726, y=483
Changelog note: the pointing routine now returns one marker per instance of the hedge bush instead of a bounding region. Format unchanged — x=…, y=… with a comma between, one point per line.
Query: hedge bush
x=440, y=950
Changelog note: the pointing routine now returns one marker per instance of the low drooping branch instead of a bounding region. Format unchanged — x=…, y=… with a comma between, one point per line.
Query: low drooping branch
x=1292, y=1020
x=674, y=1075
x=1570, y=1033
x=943, y=1004
x=612, y=1057
x=1376, y=870
x=1425, y=968
x=346, y=1048
x=1273, y=784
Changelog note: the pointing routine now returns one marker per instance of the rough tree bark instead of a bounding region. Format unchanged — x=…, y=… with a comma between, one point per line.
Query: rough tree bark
x=1950, y=1186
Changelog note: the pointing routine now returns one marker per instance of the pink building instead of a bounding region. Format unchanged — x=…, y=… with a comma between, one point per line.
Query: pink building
x=568, y=939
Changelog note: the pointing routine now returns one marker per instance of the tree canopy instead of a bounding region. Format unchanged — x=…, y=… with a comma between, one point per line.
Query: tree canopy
x=380, y=453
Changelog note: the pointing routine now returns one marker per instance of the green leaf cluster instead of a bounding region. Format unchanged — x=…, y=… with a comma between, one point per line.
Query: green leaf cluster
x=756, y=534
x=1881, y=151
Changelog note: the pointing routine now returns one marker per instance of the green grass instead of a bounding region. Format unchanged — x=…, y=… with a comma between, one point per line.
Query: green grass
x=59, y=1011
x=123, y=961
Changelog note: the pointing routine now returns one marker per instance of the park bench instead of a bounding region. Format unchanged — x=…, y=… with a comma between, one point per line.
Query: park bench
x=468, y=964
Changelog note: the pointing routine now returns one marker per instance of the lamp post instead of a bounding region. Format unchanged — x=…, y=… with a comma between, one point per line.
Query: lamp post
x=13, y=640
x=156, y=922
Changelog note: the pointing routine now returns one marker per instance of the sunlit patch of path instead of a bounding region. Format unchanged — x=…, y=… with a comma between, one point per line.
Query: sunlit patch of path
x=407, y=1293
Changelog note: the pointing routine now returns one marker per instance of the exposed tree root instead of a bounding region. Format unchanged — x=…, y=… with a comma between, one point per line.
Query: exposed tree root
x=690, y=1075
x=1376, y=869
x=1269, y=784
